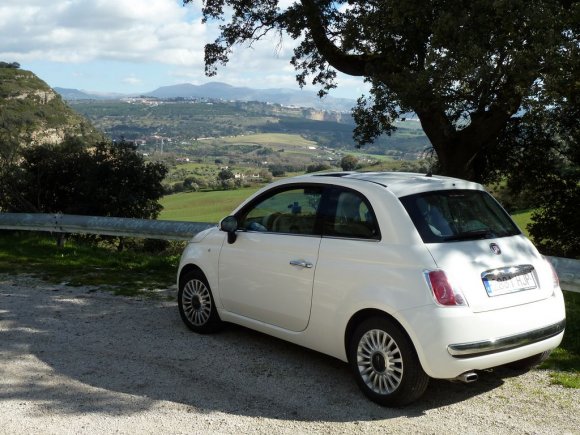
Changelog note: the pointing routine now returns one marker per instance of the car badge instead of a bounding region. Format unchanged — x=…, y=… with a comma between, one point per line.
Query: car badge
x=495, y=248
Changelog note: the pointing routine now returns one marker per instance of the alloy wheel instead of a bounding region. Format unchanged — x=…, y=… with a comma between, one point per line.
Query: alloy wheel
x=196, y=301
x=380, y=362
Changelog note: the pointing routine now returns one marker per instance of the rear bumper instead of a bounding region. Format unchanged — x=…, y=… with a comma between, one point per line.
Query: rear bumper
x=487, y=347
x=452, y=341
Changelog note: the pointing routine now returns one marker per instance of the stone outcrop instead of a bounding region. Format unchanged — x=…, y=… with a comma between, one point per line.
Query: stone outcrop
x=31, y=113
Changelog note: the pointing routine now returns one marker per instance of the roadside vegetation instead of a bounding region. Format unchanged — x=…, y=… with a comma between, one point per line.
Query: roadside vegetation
x=565, y=360
x=138, y=270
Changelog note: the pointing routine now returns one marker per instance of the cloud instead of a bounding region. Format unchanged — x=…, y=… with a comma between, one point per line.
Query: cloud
x=86, y=30
x=132, y=80
x=159, y=39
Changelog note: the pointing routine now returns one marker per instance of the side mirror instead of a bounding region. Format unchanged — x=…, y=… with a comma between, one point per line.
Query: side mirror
x=230, y=225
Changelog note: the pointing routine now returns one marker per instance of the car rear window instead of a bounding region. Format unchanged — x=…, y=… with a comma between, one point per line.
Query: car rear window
x=457, y=215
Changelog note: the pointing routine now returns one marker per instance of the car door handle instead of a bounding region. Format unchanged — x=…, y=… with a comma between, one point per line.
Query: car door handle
x=301, y=263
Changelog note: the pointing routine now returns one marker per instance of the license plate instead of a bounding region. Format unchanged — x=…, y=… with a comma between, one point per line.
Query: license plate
x=504, y=283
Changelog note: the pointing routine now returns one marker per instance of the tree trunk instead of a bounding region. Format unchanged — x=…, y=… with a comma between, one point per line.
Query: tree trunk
x=457, y=150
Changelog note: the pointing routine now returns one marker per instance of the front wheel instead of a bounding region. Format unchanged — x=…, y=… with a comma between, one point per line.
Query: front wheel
x=196, y=304
x=385, y=364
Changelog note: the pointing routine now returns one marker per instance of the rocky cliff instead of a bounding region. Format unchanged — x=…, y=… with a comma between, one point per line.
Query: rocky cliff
x=31, y=113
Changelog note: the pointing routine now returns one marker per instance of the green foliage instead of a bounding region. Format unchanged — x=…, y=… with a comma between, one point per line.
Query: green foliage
x=566, y=358
x=191, y=125
x=463, y=67
x=540, y=156
x=227, y=179
x=555, y=227
x=317, y=167
x=109, y=180
x=348, y=163
x=132, y=272
x=225, y=174
x=283, y=169
x=30, y=113
x=14, y=65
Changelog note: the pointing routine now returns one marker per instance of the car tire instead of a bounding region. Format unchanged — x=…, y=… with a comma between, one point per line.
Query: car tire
x=529, y=362
x=196, y=304
x=385, y=363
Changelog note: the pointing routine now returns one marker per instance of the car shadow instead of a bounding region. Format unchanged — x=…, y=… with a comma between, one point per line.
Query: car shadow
x=114, y=355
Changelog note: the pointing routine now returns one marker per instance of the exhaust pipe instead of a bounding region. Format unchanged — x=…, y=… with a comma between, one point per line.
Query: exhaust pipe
x=467, y=377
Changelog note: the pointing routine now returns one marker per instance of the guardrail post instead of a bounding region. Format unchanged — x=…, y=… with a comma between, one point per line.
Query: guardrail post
x=60, y=240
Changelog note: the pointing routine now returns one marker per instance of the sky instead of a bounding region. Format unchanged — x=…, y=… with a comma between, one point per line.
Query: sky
x=130, y=46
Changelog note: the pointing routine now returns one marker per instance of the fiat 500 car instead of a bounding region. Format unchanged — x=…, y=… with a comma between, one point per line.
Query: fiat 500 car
x=406, y=277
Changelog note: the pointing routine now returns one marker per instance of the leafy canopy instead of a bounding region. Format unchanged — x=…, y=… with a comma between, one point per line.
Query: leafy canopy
x=463, y=67
x=111, y=179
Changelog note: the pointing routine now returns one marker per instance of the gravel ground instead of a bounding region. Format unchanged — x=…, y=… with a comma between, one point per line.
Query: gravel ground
x=77, y=360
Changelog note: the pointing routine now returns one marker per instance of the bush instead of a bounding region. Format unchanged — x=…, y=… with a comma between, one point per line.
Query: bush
x=555, y=227
x=111, y=179
x=348, y=163
x=317, y=167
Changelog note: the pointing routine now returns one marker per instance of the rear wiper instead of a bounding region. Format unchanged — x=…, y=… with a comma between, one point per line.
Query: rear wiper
x=470, y=235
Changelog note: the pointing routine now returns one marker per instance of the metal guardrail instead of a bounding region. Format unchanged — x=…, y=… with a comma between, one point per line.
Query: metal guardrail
x=105, y=226
x=568, y=270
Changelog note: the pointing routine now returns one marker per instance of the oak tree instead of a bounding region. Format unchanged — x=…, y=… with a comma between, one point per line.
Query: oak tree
x=463, y=67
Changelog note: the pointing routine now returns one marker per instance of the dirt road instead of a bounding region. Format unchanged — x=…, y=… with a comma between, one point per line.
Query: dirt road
x=77, y=360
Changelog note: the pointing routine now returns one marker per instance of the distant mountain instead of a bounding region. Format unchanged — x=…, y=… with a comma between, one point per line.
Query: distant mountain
x=223, y=91
x=33, y=113
x=74, y=95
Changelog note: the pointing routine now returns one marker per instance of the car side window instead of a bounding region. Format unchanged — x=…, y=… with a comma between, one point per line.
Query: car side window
x=352, y=217
x=289, y=211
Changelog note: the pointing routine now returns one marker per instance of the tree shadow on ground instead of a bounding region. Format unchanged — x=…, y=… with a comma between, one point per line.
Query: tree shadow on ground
x=73, y=352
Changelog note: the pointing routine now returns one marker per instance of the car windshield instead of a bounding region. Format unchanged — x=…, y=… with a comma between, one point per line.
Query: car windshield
x=457, y=215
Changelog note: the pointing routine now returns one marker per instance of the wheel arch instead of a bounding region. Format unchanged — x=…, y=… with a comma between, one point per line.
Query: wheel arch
x=190, y=267
x=364, y=314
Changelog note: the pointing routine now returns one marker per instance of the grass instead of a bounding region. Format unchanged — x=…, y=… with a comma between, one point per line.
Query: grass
x=522, y=219
x=77, y=263
x=565, y=360
x=278, y=140
x=203, y=206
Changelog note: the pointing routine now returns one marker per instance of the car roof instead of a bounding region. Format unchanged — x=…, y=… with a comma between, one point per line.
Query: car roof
x=400, y=183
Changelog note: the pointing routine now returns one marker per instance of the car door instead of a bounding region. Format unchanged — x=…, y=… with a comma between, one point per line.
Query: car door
x=267, y=274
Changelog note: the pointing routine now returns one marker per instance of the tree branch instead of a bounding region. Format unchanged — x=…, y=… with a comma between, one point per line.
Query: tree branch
x=351, y=64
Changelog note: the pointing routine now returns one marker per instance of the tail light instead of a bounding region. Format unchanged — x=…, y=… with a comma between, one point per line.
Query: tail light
x=445, y=294
x=554, y=273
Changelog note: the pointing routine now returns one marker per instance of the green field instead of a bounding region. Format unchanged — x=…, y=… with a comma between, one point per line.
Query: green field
x=215, y=205
x=277, y=140
x=522, y=219
x=203, y=206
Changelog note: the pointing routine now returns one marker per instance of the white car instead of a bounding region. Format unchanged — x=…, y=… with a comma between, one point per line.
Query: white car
x=404, y=276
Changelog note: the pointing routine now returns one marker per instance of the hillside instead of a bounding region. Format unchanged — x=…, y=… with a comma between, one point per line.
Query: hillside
x=225, y=92
x=32, y=113
x=187, y=126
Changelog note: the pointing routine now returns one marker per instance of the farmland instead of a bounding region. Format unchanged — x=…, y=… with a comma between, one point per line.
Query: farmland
x=203, y=206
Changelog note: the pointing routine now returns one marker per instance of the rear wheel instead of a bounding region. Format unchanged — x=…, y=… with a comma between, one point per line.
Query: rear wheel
x=385, y=364
x=196, y=304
